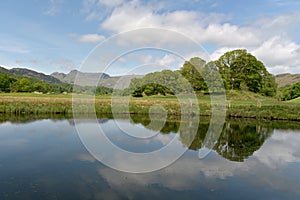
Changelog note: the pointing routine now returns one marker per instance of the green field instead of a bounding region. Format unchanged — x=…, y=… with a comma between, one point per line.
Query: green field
x=26, y=94
x=297, y=100
x=238, y=104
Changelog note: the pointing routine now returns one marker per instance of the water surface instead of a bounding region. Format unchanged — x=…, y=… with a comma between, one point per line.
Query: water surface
x=45, y=159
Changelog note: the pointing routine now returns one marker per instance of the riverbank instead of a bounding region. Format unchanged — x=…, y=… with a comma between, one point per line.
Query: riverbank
x=249, y=107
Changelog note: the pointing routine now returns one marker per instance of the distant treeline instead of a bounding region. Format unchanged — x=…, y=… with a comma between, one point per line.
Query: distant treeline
x=15, y=83
x=290, y=92
x=235, y=70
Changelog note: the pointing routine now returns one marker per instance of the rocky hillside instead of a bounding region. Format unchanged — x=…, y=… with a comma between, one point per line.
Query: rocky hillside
x=86, y=79
x=287, y=79
x=3, y=70
x=31, y=74
x=89, y=79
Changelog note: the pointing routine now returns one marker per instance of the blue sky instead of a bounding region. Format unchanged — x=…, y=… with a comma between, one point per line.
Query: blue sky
x=57, y=35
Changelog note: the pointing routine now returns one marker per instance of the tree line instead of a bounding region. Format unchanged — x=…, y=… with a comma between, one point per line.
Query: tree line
x=290, y=92
x=234, y=70
x=14, y=83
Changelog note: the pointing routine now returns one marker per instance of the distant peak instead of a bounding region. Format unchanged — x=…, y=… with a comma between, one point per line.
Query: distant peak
x=74, y=70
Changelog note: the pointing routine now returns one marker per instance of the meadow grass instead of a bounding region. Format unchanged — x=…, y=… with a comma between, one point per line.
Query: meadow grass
x=239, y=106
x=297, y=100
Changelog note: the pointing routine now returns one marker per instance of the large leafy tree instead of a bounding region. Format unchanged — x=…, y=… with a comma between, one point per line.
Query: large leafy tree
x=5, y=83
x=242, y=71
x=22, y=85
x=164, y=82
x=192, y=71
x=290, y=91
x=213, y=78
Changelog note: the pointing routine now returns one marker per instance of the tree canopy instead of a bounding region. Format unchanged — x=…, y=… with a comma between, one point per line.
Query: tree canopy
x=17, y=83
x=166, y=82
x=242, y=71
x=234, y=70
x=290, y=92
x=191, y=71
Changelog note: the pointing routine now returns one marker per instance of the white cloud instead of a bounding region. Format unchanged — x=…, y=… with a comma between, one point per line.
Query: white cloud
x=185, y=170
x=267, y=165
x=219, y=52
x=91, y=38
x=202, y=28
x=282, y=148
x=280, y=54
x=269, y=38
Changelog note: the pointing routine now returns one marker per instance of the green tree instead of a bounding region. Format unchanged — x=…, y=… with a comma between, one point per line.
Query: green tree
x=290, y=92
x=22, y=85
x=242, y=71
x=41, y=87
x=5, y=83
x=192, y=70
x=213, y=78
x=166, y=82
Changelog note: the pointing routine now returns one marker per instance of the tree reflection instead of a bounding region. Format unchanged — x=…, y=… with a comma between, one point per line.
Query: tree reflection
x=238, y=141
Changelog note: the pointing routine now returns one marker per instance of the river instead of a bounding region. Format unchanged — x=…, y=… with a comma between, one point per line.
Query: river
x=46, y=159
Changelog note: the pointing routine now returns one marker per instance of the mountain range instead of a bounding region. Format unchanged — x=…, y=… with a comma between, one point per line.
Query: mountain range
x=287, y=79
x=89, y=79
x=86, y=78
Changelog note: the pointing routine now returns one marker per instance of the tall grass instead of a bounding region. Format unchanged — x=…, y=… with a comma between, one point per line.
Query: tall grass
x=246, y=108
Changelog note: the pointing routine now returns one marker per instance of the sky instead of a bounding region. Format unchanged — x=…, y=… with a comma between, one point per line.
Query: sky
x=59, y=35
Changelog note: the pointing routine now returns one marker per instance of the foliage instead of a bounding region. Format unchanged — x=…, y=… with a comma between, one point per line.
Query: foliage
x=100, y=90
x=213, y=80
x=235, y=70
x=17, y=83
x=6, y=82
x=290, y=92
x=242, y=71
x=191, y=71
x=166, y=82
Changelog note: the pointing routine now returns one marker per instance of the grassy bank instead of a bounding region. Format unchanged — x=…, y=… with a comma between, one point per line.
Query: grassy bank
x=238, y=105
x=297, y=100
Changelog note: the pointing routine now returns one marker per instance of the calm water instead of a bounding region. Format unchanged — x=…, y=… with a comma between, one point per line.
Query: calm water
x=45, y=159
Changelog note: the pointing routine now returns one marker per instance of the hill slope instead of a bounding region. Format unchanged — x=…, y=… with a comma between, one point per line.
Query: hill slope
x=3, y=70
x=89, y=79
x=287, y=79
x=30, y=74
x=86, y=79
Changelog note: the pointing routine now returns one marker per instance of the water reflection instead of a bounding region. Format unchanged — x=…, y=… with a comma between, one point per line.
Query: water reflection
x=45, y=159
x=239, y=138
x=238, y=141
